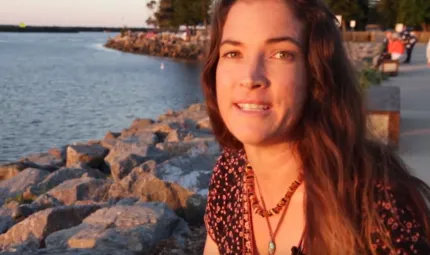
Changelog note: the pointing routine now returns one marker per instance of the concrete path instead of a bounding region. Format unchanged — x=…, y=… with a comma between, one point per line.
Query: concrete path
x=414, y=83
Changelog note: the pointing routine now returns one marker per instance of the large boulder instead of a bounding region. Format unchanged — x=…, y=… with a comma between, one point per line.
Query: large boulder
x=58, y=177
x=126, y=155
x=30, y=233
x=6, y=220
x=137, y=228
x=191, y=171
x=110, y=139
x=15, y=186
x=90, y=154
x=9, y=170
x=142, y=184
x=71, y=191
x=73, y=252
x=46, y=161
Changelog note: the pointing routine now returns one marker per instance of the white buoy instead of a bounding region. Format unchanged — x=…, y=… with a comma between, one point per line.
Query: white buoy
x=162, y=66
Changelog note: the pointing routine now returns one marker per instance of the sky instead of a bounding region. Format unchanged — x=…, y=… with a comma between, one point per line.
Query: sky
x=132, y=13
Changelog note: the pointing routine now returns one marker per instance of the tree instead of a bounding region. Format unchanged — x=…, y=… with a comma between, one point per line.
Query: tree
x=414, y=12
x=173, y=13
x=151, y=21
x=163, y=16
x=388, y=11
x=349, y=9
x=190, y=12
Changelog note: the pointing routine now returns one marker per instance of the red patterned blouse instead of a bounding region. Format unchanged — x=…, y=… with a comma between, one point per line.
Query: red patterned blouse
x=227, y=202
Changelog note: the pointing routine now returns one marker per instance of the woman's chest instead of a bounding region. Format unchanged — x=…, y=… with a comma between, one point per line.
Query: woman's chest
x=248, y=233
x=283, y=233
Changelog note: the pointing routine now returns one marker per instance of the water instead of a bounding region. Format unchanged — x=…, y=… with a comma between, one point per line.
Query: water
x=56, y=89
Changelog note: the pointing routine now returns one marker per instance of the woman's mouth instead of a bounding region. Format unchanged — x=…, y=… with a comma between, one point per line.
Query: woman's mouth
x=253, y=107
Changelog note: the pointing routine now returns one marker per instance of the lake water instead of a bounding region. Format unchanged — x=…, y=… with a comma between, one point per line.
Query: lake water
x=56, y=89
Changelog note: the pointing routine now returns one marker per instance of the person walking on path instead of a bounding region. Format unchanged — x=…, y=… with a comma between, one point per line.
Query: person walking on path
x=428, y=53
x=409, y=40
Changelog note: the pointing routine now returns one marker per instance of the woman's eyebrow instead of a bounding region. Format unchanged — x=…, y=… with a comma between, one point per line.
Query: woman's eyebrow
x=284, y=39
x=268, y=41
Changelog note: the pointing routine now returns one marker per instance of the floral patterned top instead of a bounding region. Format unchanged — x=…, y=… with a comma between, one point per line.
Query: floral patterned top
x=227, y=202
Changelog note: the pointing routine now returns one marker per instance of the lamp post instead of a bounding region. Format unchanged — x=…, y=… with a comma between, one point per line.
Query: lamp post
x=352, y=24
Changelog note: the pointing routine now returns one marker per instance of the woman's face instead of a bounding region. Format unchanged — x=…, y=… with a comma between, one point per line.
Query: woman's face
x=260, y=79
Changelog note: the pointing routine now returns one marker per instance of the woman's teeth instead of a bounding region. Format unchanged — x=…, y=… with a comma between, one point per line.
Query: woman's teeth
x=253, y=107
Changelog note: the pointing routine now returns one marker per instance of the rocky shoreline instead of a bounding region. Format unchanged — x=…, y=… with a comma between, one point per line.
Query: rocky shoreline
x=162, y=45
x=139, y=191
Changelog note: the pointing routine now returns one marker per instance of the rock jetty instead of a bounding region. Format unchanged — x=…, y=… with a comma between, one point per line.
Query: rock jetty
x=162, y=45
x=139, y=191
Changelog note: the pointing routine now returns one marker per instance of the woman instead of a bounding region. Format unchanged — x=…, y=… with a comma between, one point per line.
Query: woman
x=297, y=174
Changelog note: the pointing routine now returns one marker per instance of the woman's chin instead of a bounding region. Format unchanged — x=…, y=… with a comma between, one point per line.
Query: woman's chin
x=252, y=138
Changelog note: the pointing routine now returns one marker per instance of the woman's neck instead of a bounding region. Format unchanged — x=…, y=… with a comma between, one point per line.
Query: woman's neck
x=276, y=168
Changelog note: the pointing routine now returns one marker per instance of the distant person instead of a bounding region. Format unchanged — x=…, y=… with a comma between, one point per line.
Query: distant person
x=409, y=40
x=428, y=53
x=388, y=34
x=396, y=48
x=384, y=53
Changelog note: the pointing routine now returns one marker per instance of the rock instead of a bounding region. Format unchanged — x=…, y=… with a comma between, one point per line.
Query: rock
x=73, y=252
x=197, y=108
x=137, y=228
x=109, y=140
x=180, y=134
x=9, y=170
x=127, y=201
x=195, y=209
x=24, y=210
x=194, y=245
x=91, y=155
x=44, y=161
x=71, y=191
x=141, y=123
x=147, y=187
x=6, y=220
x=125, y=156
x=31, y=232
x=58, y=177
x=195, y=146
x=18, y=184
x=12, y=204
x=204, y=124
x=143, y=185
x=191, y=171
x=141, y=136
x=59, y=152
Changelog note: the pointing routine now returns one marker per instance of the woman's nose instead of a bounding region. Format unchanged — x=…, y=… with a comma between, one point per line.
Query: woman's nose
x=254, y=75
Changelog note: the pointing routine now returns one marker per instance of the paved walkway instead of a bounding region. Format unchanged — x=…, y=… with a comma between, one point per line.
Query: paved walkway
x=414, y=83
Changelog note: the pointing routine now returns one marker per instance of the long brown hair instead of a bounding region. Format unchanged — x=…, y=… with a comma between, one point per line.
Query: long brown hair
x=342, y=165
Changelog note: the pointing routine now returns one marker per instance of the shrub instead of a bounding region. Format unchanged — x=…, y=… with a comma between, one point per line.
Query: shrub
x=368, y=76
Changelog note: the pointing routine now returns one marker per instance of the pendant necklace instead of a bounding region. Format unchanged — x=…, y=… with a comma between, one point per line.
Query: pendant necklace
x=262, y=211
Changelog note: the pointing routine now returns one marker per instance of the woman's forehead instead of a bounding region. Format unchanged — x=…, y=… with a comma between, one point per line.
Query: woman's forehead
x=252, y=21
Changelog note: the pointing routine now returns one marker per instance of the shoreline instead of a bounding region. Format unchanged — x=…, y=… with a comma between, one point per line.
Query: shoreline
x=112, y=175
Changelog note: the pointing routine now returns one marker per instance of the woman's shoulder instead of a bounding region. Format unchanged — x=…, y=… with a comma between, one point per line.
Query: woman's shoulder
x=224, y=192
x=402, y=223
x=228, y=169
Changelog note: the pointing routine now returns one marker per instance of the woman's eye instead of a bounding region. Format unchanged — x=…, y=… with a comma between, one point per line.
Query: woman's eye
x=284, y=55
x=231, y=54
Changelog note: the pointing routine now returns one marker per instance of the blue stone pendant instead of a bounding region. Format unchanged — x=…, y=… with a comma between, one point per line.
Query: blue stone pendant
x=272, y=248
